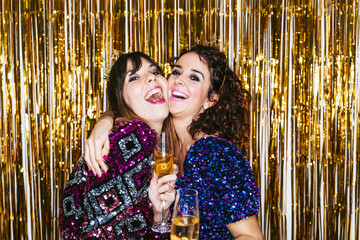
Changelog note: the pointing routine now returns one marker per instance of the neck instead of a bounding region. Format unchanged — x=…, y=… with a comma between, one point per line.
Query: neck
x=181, y=127
x=157, y=126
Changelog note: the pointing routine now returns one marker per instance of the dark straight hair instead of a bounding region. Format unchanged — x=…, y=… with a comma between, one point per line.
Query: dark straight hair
x=117, y=77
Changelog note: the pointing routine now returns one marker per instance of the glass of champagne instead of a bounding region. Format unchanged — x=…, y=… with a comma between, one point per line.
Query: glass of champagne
x=185, y=223
x=164, y=163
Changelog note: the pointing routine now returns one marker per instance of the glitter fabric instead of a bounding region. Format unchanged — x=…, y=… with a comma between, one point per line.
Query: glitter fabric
x=115, y=206
x=224, y=179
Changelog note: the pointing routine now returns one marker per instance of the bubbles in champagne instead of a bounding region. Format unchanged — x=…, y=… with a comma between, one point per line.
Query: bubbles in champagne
x=163, y=163
x=185, y=228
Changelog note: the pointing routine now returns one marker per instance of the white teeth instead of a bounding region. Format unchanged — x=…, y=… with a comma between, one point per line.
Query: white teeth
x=179, y=94
x=152, y=92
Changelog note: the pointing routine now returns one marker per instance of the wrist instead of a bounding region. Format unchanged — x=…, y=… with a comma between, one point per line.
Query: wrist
x=108, y=116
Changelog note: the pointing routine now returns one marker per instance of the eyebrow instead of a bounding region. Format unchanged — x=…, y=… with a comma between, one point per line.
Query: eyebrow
x=152, y=65
x=194, y=70
x=127, y=73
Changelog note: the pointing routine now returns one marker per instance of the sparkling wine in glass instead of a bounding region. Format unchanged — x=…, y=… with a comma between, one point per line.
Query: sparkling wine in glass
x=164, y=163
x=185, y=223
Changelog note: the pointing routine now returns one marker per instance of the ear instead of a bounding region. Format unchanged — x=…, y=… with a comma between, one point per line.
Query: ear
x=214, y=97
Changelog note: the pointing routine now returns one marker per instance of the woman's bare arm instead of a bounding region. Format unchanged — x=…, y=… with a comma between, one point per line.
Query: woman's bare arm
x=246, y=229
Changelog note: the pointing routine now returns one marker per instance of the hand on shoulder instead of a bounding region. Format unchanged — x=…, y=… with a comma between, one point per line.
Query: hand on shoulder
x=97, y=145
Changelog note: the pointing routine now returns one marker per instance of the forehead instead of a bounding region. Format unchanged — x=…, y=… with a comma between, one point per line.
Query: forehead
x=192, y=60
x=131, y=64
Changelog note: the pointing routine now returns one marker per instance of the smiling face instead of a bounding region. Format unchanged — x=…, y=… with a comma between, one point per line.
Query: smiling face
x=189, y=84
x=144, y=92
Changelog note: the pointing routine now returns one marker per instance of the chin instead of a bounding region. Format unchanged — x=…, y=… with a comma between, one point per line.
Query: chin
x=175, y=111
x=160, y=115
x=163, y=117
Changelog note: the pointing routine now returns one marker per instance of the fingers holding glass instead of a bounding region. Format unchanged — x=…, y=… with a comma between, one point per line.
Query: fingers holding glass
x=164, y=164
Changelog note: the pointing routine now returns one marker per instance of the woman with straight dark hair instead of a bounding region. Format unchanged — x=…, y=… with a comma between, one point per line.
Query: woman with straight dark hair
x=121, y=203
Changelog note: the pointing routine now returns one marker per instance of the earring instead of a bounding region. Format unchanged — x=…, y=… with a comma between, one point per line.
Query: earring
x=205, y=106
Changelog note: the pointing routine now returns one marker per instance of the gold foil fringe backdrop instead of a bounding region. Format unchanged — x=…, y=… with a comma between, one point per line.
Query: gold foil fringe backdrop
x=299, y=60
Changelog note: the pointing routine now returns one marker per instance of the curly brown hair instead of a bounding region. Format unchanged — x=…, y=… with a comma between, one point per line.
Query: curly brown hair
x=227, y=118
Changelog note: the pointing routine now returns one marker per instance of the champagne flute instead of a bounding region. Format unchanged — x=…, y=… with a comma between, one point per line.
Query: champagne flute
x=164, y=163
x=185, y=223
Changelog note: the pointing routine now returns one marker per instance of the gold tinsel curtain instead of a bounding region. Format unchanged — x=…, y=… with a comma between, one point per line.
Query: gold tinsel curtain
x=300, y=61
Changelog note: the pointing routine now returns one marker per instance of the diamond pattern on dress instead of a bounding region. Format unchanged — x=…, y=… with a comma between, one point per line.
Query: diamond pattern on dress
x=101, y=206
x=129, y=146
x=135, y=222
x=109, y=201
x=119, y=228
x=79, y=176
x=134, y=179
x=69, y=207
x=116, y=205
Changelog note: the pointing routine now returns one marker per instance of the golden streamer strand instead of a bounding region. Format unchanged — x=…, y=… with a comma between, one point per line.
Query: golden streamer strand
x=300, y=62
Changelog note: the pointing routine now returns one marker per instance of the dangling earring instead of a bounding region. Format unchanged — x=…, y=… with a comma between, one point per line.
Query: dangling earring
x=205, y=106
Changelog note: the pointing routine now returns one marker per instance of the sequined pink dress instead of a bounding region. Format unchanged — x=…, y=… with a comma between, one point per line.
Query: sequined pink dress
x=115, y=206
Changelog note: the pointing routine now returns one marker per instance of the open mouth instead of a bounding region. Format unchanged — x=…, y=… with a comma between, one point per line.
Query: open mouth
x=155, y=95
x=178, y=96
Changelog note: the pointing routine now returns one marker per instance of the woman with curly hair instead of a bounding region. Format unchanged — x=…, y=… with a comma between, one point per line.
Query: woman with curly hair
x=208, y=107
x=208, y=104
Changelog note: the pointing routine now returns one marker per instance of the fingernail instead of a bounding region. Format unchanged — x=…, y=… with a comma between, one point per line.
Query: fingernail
x=98, y=175
x=104, y=157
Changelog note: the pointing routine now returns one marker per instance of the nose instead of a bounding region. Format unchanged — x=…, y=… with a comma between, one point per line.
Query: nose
x=151, y=77
x=179, y=81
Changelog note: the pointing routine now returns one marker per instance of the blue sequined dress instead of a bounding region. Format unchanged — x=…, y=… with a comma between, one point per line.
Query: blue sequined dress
x=224, y=179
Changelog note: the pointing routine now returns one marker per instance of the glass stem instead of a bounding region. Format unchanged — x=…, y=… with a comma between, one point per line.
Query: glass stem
x=163, y=214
